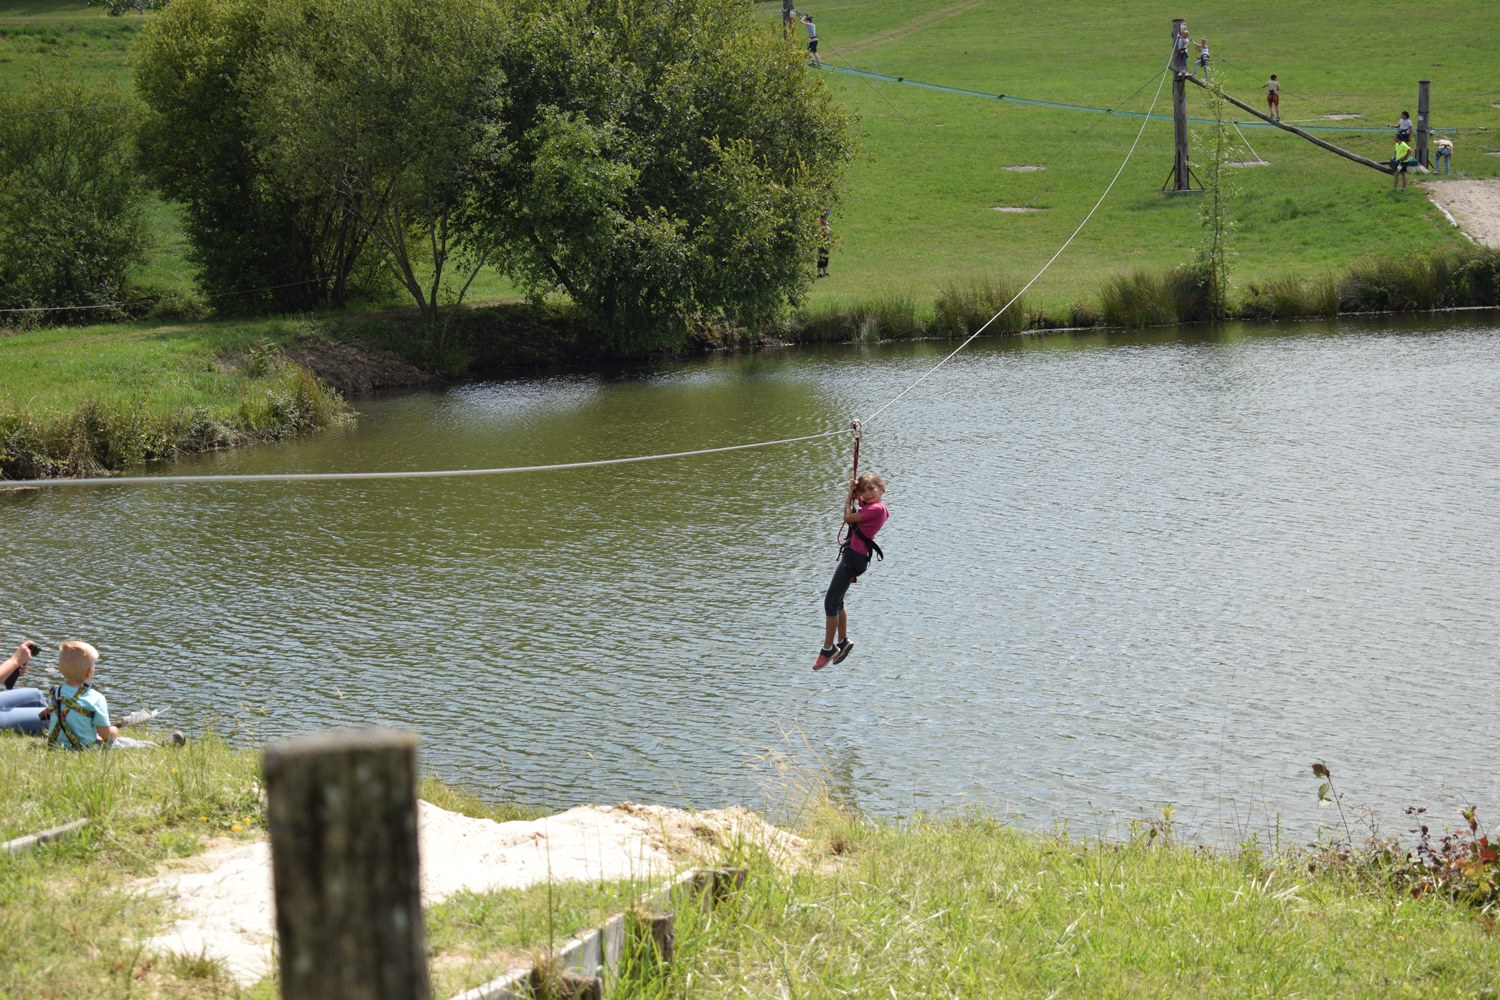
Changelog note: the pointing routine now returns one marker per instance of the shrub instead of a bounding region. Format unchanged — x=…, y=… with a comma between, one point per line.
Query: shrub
x=71, y=218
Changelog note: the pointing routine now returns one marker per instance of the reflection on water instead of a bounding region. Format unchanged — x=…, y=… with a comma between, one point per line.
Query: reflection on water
x=1122, y=571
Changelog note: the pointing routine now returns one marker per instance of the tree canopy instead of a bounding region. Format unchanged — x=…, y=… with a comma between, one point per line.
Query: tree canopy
x=71, y=216
x=659, y=162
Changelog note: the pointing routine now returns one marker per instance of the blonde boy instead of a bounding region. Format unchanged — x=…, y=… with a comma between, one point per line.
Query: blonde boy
x=77, y=714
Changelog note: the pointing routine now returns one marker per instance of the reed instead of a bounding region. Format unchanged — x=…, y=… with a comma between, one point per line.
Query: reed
x=963, y=307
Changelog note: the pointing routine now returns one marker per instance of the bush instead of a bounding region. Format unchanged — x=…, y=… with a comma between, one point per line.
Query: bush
x=71, y=217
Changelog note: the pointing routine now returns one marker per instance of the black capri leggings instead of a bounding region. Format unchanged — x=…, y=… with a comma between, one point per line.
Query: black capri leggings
x=851, y=564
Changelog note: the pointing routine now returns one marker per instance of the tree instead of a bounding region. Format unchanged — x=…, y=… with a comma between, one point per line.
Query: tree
x=377, y=106
x=659, y=163
x=254, y=240
x=1214, y=254
x=118, y=7
x=71, y=216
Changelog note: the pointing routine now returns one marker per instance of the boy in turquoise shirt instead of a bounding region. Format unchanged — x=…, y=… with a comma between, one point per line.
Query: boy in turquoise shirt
x=77, y=714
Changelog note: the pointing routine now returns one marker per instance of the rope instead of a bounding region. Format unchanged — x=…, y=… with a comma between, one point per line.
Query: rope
x=1141, y=131
x=301, y=477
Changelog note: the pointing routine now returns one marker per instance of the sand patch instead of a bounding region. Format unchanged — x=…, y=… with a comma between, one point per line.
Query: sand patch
x=1341, y=117
x=1249, y=163
x=1024, y=168
x=224, y=894
x=1473, y=204
x=1015, y=208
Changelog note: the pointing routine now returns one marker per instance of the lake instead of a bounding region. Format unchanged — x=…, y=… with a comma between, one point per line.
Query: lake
x=1122, y=571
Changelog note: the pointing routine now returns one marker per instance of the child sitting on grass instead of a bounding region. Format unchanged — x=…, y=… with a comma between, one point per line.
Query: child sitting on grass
x=77, y=715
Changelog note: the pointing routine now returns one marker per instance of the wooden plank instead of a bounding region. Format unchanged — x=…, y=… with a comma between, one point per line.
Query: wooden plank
x=23, y=844
x=1384, y=168
x=594, y=951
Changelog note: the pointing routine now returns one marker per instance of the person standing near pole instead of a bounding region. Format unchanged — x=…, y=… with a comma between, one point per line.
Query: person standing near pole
x=1398, y=163
x=1272, y=88
x=1443, y=155
x=812, y=39
x=1180, y=49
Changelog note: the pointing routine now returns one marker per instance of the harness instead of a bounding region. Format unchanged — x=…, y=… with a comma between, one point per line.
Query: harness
x=59, y=706
x=856, y=532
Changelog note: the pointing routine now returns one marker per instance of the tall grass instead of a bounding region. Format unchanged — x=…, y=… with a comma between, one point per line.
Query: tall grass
x=1467, y=277
x=963, y=307
x=1144, y=298
x=970, y=907
x=1291, y=297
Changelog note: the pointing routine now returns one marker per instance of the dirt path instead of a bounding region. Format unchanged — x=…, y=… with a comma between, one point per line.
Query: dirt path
x=914, y=25
x=1474, y=204
x=224, y=894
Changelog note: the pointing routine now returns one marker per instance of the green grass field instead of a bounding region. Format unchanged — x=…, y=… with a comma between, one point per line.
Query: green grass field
x=922, y=200
x=921, y=204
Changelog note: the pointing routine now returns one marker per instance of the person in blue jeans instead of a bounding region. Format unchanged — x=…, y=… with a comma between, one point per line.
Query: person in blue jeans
x=20, y=708
x=1442, y=155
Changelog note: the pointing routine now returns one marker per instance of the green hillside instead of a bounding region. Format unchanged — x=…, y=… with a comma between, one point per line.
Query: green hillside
x=922, y=201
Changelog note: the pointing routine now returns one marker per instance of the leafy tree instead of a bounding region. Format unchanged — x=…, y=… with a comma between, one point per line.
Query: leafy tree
x=254, y=240
x=659, y=162
x=118, y=7
x=71, y=218
x=377, y=106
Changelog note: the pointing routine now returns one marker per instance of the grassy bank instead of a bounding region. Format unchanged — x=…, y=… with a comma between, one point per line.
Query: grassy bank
x=76, y=402
x=956, y=907
x=84, y=400
x=970, y=907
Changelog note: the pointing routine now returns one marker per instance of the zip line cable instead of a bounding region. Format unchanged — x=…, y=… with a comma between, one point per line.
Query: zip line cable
x=1067, y=150
x=1123, y=164
x=297, y=477
x=288, y=477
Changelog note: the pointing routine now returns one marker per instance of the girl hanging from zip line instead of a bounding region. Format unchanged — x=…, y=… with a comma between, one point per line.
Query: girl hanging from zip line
x=864, y=514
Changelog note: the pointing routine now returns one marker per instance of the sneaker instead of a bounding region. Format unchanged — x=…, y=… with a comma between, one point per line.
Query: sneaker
x=825, y=657
x=179, y=738
x=842, y=650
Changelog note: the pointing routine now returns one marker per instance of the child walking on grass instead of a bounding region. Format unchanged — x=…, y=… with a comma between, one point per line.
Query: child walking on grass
x=865, y=514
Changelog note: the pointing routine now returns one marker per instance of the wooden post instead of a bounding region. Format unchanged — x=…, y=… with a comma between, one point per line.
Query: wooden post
x=1181, y=170
x=342, y=810
x=1424, y=97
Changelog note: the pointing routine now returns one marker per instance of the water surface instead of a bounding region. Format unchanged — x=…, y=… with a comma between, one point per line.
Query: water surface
x=1123, y=571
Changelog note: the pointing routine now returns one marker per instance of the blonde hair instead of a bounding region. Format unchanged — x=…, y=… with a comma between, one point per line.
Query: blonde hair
x=75, y=659
x=868, y=479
